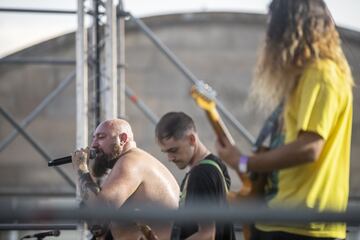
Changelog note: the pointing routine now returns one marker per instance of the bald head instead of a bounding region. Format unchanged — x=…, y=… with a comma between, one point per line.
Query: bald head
x=117, y=127
x=111, y=139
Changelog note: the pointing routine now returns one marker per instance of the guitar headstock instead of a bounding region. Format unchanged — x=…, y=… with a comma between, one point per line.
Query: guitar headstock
x=204, y=95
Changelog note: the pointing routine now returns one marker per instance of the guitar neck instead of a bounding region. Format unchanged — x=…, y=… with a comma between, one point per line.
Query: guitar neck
x=209, y=106
x=219, y=127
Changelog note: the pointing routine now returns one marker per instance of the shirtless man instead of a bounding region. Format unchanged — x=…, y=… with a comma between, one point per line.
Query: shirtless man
x=135, y=177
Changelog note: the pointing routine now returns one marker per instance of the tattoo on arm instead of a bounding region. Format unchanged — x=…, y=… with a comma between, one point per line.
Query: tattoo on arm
x=86, y=184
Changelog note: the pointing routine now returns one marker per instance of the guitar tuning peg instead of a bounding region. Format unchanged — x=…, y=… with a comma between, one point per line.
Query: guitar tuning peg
x=205, y=90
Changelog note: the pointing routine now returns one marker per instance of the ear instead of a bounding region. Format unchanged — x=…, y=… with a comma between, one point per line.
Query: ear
x=123, y=138
x=192, y=138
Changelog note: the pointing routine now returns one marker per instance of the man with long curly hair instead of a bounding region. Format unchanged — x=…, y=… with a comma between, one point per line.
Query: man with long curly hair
x=303, y=67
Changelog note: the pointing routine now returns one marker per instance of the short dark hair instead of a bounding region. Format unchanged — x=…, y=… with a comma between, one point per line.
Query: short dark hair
x=173, y=125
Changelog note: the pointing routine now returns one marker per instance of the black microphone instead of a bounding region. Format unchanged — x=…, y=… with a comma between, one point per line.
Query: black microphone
x=67, y=159
x=54, y=233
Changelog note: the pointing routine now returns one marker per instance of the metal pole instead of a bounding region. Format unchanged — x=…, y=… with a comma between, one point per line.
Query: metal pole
x=121, y=57
x=246, y=213
x=151, y=115
x=81, y=80
x=81, y=94
x=96, y=62
x=109, y=80
x=35, y=192
x=190, y=76
x=9, y=235
x=164, y=49
x=36, y=61
x=236, y=124
x=63, y=84
x=24, y=10
x=33, y=226
x=35, y=145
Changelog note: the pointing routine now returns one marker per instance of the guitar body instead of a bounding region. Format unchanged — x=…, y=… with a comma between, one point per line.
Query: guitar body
x=256, y=193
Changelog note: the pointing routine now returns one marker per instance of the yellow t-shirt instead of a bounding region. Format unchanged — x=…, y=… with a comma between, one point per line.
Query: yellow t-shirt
x=321, y=103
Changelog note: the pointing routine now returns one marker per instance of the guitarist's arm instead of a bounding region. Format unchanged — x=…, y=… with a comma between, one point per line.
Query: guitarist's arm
x=305, y=149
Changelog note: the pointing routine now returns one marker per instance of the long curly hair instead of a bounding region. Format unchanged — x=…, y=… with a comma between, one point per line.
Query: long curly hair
x=299, y=31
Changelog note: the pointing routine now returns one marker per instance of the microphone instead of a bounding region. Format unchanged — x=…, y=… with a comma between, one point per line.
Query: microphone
x=67, y=159
x=54, y=233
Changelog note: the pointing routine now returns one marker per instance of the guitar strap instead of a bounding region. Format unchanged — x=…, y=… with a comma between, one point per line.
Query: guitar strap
x=208, y=162
x=271, y=128
x=216, y=165
x=176, y=231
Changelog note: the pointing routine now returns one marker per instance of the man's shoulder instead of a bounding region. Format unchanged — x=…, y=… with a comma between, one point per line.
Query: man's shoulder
x=212, y=157
x=209, y=166
x=134, y=156
x=129, y=160
x=210, y=170
x=211, y=161
x=206, y=180
x=140, y=160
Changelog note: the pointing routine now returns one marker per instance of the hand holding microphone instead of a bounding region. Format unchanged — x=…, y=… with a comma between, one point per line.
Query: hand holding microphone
x=67, y=159
x=80, y=160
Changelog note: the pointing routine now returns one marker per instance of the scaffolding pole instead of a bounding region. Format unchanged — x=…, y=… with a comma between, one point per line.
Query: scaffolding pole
x=27, y=10
x=81, y=80
x=35, y=192
x=121, y=57
x=36, y=145
x=191, y=77
x=48, y=99
x=81, y=94
x=34, y=226
x=141, y=105
x=44, y=61
x=200, y=212
x=109, y=79
x=96, y=72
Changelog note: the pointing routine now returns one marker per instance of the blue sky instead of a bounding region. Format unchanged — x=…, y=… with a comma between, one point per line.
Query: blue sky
x=20, y=30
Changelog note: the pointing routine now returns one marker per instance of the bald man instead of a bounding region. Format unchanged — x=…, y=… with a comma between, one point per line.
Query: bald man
x=133, y=178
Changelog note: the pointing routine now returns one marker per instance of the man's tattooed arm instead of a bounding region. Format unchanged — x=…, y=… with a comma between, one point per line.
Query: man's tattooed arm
x=88, y=188
x=87, y=184
x=80, y=162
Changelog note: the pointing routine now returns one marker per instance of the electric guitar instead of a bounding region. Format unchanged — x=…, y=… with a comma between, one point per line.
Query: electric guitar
x=205, y=96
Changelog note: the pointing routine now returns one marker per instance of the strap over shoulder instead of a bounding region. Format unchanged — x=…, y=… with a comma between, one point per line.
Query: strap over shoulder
x=216, y=165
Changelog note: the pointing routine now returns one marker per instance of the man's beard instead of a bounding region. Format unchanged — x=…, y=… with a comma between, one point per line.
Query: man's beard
x=103, y=162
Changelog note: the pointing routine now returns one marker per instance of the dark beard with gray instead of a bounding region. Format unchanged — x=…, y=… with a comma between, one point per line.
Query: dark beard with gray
x=100, y=165
x=104, y=162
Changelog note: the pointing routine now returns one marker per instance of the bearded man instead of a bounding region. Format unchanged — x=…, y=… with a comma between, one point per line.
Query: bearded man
x=133, y=178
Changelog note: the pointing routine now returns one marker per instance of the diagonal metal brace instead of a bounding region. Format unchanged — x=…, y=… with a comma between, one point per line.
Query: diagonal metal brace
x=35, y=145
x=38, y=109
x=191, y=77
